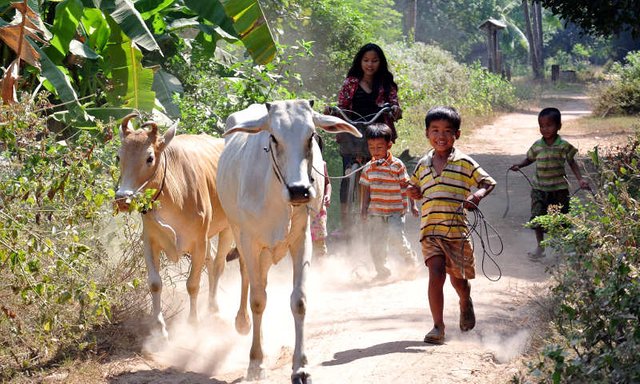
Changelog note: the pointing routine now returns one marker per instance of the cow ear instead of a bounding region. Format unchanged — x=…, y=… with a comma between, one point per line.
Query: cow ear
x=251, y=126
x=333, y=124
x=169, y=135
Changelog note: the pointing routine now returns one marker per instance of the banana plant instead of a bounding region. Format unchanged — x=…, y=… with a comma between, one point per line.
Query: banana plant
x=104, y=58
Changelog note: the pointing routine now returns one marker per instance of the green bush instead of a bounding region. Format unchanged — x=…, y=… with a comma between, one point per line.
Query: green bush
x=621, y=96
x=59, y=283
x=596, y=286
x=429, y=76
x=213, y=90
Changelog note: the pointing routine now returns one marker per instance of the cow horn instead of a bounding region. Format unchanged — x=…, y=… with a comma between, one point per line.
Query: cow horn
x=154, y=127
x=124, y=125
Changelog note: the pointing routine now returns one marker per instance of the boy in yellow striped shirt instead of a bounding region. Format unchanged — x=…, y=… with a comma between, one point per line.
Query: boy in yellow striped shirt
x=444, y=179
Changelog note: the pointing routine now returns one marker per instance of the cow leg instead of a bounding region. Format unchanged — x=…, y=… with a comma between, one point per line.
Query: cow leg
x=215, y=266
x=201, y=250
x=243, y=325
x=258, y=264
x=152, y=262
x=300, y=250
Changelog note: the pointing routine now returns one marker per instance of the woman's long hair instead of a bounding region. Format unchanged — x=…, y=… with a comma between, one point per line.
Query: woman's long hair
x=382, y=77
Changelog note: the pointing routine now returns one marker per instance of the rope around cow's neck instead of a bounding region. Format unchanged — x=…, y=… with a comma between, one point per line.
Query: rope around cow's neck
x=143, y=186
x=276, y=167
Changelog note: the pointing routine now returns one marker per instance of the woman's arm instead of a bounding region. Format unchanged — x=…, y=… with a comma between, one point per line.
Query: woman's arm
x=348, y=89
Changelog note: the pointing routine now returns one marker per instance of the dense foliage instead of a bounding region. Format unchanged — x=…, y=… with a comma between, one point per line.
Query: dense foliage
x=599, y=17
x=337, y=29
x=63, y=272
x=596, y=290
x=104, y=59
x=428, y=76
x=213, y=90
x=621, y=96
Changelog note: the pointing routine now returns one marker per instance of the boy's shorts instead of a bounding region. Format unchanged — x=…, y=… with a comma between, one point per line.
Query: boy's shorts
x=458, y=255
x=541, y=200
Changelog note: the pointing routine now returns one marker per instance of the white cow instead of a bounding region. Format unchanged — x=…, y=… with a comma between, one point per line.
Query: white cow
x=182, y=169
x=268, y=177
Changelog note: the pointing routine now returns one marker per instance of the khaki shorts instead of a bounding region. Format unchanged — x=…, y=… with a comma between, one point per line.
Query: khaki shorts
x=457, y=254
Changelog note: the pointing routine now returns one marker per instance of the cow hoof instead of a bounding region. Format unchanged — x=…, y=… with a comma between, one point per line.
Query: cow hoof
x=243, y=325
x=255, y=372
x=301, y=378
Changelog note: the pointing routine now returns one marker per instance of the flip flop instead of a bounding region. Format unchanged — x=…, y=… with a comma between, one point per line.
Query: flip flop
x=435, y=336
x=467, y=317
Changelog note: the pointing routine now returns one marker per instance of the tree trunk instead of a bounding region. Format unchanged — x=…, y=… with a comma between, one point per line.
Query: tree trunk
x=410, y=12
x=532, y=36
x=539, y=42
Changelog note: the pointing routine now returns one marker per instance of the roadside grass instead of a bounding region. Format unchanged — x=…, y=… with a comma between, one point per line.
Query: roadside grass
x=608, y=126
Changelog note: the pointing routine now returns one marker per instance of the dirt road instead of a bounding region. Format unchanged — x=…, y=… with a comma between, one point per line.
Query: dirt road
x=363, y=332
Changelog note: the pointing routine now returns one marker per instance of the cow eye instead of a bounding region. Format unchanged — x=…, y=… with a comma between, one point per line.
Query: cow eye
x=149, y=159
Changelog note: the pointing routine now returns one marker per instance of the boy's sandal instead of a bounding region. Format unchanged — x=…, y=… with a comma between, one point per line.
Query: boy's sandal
x=435, y=336
x=467, y=317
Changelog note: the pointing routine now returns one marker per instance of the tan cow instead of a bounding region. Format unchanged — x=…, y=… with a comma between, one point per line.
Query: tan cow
x=182, y=169
x=269, y=176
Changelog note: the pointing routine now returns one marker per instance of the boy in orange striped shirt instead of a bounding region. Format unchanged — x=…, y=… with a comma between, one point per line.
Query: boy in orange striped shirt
x=384, y=200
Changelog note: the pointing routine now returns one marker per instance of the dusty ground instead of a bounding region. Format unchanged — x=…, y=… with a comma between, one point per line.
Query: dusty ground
x=358, y=331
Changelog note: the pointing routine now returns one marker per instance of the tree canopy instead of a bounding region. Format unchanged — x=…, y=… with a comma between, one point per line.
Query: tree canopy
x=599, y=17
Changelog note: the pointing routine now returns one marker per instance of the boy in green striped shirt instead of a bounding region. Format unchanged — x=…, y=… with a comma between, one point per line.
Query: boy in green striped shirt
x=444, y=179
x=550, y=186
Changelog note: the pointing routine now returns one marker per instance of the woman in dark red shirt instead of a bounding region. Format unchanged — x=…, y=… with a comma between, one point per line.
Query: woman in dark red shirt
x=368, y=86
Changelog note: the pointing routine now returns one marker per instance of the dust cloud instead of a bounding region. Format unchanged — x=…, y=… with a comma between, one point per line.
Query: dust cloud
x=506, y=348
x=213, y=345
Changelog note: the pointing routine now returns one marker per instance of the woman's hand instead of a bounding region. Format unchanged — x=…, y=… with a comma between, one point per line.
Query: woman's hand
x=396, y=111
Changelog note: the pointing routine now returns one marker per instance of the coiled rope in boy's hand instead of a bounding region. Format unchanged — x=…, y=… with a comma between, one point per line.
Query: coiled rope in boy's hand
x=482, y=229
x=506, y=188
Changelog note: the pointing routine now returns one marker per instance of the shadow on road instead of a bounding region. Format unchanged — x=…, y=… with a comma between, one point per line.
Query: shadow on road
x=165, y=376
x=406, y=346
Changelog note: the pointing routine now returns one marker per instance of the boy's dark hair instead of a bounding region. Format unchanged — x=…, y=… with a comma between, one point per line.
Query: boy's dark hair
x=449, y=114
x=378, y=130
x=553, y=113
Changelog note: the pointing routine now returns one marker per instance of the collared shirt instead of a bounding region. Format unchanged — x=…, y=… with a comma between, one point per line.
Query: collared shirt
x=385, y=179
x=550, y=173
x=444, y=193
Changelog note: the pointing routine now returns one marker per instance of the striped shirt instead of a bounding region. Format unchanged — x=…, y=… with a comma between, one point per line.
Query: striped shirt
x=443, y=194
x=550, y=173
x=385, y=180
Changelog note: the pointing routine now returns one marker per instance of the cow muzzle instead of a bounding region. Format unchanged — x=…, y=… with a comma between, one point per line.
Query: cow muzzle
x=300, y=194
x=123, y=200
